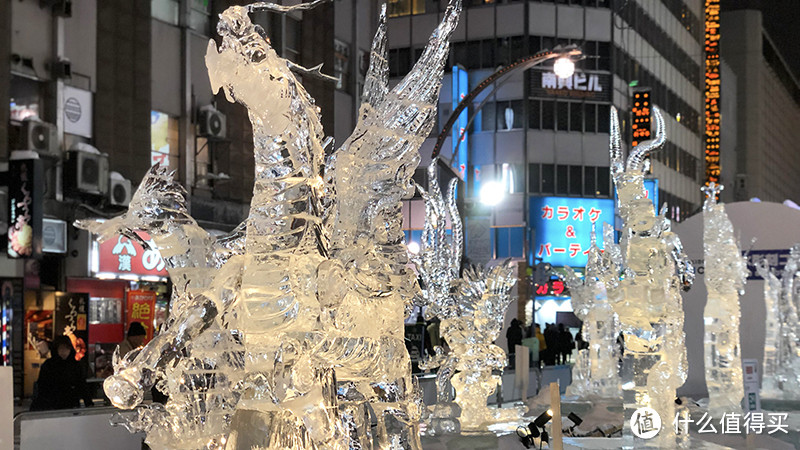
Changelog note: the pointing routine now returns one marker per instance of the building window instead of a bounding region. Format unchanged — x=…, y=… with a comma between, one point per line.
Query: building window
x=341, y=64
x=562, y=180
x=26, y=98
x=164, y=140
x=166, y=10
x=397, y=8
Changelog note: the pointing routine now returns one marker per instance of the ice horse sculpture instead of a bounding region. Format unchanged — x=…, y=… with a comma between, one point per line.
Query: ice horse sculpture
x=596, y=370
x=725, y=275
x=781, y=379
x=648, y=301
x=284, y=334
x=471, y=308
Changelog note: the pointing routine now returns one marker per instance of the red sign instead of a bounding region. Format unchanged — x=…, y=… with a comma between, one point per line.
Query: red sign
x=142, y=309
x=555, y=288
x=123, y=256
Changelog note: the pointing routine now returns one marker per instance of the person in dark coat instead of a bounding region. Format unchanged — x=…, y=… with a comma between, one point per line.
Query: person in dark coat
x=565, y=343
x=62, y=381
x=551, y=341
x=514, y=337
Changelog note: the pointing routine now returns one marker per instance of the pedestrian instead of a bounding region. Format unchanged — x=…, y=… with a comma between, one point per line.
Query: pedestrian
x=551, y=343
x=514, y=338
x=62, y=380
x=542, y=344
x=135, y=339
x=566, y=343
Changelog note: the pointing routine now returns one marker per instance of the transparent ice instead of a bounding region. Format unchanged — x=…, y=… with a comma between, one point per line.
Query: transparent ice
x=725, y=275
x=596, y=370
x=781, y=376
x=648, y=301
x=288, y=333
x=471, y=306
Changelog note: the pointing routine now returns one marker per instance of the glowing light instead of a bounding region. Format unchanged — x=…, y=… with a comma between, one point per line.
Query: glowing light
x=492, y=193
x=413, y=247
x=564, y=67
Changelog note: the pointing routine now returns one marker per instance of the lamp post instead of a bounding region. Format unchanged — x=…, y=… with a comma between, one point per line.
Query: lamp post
x=492, y=193
x=566, y=59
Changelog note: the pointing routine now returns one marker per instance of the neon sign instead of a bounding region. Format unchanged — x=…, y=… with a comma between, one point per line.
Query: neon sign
x=712, y=92
x=561, y=228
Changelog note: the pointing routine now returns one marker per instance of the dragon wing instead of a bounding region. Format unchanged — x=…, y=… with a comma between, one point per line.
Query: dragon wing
x=372, y=171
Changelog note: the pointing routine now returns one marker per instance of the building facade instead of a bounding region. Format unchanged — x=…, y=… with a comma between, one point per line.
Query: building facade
x=545, y=140
x=99, y=91
x=766, y=113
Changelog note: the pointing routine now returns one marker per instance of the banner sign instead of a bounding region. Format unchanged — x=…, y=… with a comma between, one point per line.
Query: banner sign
x=71, y=319
x=77, y=111
x=460, y=89
x=122, y=256
x=581, y=85
x=142, y=309
x=25, y=208
x=10, y=300
x=563, y=225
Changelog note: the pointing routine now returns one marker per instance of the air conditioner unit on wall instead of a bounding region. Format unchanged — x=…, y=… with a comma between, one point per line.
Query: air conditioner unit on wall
x=212, y=123
x=40, y=136
x=119, y=190
x=86, y=171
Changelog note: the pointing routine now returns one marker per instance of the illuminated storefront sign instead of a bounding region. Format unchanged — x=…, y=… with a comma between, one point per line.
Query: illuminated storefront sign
x=562, y=227
x=552, y=288
x=25, y=208
x=142, y=309
x=459, y=90
x=712, y=92
x=581, y=85
x=124, y=258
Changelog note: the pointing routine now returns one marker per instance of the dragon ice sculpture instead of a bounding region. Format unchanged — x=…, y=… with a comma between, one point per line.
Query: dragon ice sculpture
x=286, y=333
x=725, y=275
x=596, y=370
x=648, y=300
x=781, y=379
x=471, y=309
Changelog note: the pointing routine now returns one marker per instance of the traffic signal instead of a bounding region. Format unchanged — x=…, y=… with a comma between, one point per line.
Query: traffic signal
x=640, y=114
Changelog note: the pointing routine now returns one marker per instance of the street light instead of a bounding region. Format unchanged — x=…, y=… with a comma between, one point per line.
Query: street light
x=413, y=247
x=492, y=193
x=564, y=67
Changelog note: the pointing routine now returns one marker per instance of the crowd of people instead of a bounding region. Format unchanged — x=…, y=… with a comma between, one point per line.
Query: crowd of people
x=550, y=347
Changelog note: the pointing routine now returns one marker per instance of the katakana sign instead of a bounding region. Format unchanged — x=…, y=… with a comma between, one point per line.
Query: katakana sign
x=562, y=227
x=123, y=256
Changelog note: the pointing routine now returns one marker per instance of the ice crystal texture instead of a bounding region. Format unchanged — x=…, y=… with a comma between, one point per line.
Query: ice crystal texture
x=781, y=377
x=471, y=306
x=288, y=333
x=648, y=301
x=725, y=275
x=596, y=370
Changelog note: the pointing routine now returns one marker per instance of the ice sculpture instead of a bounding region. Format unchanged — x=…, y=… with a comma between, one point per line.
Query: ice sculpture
x=596, y=370
x=648, y=301
x=725, y=274
x=471, y=308
x=781, y=377
x=285, y=334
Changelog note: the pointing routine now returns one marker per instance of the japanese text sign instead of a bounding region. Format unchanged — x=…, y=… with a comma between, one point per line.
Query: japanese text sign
x=563, y=225
x=71, y=319
x=142, y=309
x=123, y=256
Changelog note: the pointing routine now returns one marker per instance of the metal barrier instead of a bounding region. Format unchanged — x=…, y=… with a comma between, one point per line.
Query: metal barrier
x=68, y=429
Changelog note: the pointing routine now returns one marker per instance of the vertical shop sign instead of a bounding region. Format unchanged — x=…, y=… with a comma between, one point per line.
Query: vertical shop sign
x=71, y=320
x=459, y=90
x=25, y=208
x=142, y=309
